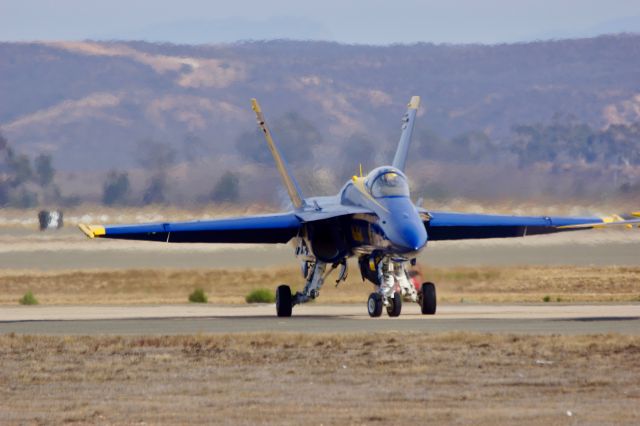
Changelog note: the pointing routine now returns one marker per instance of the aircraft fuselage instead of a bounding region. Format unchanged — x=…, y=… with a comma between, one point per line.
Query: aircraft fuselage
x=395, y=228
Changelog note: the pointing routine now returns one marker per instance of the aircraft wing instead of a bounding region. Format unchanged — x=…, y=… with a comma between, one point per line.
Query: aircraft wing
x=460, y=226
x=275, y=228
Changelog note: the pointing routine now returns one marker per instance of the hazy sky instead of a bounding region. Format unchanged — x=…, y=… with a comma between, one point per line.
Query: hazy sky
x=370, y=22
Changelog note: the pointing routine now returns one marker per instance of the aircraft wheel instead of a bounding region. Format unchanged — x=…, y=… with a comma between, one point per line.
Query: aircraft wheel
x=428, y=298
x=395, y=305
x=374, y=305
x=284, y=302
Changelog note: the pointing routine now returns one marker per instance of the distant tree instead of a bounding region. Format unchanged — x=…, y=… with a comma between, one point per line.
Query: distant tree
x=193, y=148
x=294, y=136
x=252, y=146
x=116, y=189
x=44, y=170
x=25, y=199
x=473, y=147
x=19, y=167
x=431, y=146
x=227, y=189
x=357, y=150
x=155, y=156
x=4, y=193
x=565, y=140
x=155, y=193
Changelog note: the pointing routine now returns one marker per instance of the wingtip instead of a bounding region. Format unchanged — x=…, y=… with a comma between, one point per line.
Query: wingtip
x=92, y=231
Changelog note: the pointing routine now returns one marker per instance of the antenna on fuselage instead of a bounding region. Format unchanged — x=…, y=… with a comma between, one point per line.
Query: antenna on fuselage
x=408, y=120
x=287, y=178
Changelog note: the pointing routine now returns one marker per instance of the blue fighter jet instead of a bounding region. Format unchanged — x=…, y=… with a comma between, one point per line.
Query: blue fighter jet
x=371, y=218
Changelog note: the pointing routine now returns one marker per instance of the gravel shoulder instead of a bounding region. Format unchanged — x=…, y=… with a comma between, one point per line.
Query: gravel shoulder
x=285, y=378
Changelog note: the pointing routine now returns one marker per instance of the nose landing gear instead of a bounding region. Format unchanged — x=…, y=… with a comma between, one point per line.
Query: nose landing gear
x=396, y=283
x=395, y=305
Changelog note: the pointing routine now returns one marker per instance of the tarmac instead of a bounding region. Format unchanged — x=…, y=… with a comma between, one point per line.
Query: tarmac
x=318, y=318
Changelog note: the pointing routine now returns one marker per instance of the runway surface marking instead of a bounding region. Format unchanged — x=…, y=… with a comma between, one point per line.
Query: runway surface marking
x=189, y=319
x=355, y=311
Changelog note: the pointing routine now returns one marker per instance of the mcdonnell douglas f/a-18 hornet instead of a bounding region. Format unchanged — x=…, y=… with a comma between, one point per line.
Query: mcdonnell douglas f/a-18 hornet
x=371, y=218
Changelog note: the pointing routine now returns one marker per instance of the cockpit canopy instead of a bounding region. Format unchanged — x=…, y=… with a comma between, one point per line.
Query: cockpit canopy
x=389, y=183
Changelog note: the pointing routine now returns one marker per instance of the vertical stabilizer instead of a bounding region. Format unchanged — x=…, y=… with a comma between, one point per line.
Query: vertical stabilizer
x=287, y=178
x=408, y=121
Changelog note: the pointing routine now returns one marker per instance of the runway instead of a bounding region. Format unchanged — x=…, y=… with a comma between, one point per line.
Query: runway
x=317, y=318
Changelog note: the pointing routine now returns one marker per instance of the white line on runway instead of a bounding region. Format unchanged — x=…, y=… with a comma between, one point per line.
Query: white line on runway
x=458, y=311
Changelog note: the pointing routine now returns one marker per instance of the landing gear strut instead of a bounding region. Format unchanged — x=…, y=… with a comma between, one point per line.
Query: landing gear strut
x=315, y=273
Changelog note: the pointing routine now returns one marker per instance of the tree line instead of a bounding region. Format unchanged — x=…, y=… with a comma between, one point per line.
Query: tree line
x=26, y=182
x=564, y=143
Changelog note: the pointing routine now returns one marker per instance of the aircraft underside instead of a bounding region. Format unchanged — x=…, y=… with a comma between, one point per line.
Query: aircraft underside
x=389, y=273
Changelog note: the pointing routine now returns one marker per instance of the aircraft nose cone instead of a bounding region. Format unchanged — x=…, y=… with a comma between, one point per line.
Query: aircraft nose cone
x=415, y=240
x=411, y=237
x=403, y=226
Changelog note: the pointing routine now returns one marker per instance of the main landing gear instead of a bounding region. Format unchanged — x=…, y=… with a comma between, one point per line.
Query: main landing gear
x=428, y=299
x=315, y=272
x=284, y=304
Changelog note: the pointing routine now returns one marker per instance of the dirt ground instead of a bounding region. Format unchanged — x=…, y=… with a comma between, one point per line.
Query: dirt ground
x=321, y=379
x=455, y=285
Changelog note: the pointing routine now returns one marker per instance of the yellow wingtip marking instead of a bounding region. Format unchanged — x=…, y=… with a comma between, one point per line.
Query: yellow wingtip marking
x=414, y=103
x=92, y=231
x=255, y=105
x=612, y=218
x=636, y=214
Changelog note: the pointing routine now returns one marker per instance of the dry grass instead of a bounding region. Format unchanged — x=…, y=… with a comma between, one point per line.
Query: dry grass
x=321, y=379
x=229, y=286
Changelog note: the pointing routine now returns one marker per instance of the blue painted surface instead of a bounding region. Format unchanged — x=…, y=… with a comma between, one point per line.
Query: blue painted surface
x=402, y=225
x=278, y=228
x=466, y=219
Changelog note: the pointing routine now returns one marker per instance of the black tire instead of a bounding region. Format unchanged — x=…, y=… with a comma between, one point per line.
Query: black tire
x=395, y=305
x=374, y=305
x=428, y=298
x=284, y=302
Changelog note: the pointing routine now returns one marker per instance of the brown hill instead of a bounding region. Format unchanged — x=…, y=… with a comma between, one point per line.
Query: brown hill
x=95, y=106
